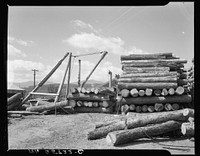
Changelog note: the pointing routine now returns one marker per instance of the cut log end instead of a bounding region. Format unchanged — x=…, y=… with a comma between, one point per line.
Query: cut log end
x=187, y=129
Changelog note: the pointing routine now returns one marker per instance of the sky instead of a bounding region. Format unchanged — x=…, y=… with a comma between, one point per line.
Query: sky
x=39, y=36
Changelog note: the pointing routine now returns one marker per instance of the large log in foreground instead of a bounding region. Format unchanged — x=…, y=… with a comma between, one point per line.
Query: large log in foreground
x=130, y=135
x=155, y=85
x=49, y=106
x=157, y=99
x=149, y=79
x=13, y=98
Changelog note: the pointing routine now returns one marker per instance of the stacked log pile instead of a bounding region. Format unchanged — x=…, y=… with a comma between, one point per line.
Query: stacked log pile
x=128, y=128
x=92, y=100
x=153, y=83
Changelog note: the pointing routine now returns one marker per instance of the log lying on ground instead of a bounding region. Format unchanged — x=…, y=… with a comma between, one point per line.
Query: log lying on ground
x=92, y=110
x=157, y=92
x=145, y=56
x=13, y=98
x=158, y=117
x=157, y=99
x=49, y=106
x=148, y=92
x=158, y=107
x=134, y=92
x=148, y=79
x=154, y=61
x=155, y=85
x=103, y=131
x=188, y=112
x=124, y=92
x=23, y=112
x=13, y=105
x=187, y=129
x=124, y=109
x=141, y=92
x=168, y=107
x=171, y=91
x=145, y=69
x=164, y=92
x=175, y=106
x=130, y=135
x=179, y=90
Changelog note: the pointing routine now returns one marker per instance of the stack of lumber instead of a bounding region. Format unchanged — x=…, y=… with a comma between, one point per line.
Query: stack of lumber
x=191, y=82
x=92, y=100
x=128, y=128
x=153, y=82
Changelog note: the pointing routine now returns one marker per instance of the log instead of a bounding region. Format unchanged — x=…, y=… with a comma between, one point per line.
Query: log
x=96, y=91
x=155, y=74
x=73, y=90
x=154, y=85
x=79, y=103
x=171, y=91
x=92, y=110
x=145, y=56
x=134, y=92
x=160, y=61
x=13, y=98
x=124, y=109
x=130, y=135
x=158, y=107
x=175, y=106
x=168, y=107
x=164, y=92
x=124, y=92
x=157, y=99
x=150, y=109
x=132, y=107
x=23, y=112
x=157, y=117
x=106, y=103
x=144, y=108
x=141, y=92
x=187, y=129
x=95, y=104
x=101, y=104
x=148, y=79
x=15, y=115
x=148, y=92
x=49, y=106
x=145, y=69
x=188, y=112
x=103, y=131
x=90, y=104
x=183, y=75
x=138, y=109
x=182, y=82
x=72, y=103
x=157, y=92
x=191, y=119
x=179, y=90
x=13, y=105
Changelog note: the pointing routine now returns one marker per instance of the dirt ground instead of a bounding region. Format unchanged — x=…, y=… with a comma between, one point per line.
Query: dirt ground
x=69, y=131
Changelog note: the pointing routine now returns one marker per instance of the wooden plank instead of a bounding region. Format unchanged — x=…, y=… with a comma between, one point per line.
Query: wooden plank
x=48, y=94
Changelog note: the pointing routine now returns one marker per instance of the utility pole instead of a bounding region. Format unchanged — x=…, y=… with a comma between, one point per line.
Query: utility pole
x=34, y=71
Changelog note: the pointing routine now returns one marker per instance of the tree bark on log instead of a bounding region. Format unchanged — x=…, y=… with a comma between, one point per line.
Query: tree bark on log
x=50, y=106
x=103, y=131
x=13, y=98
x=155, y=85
x=124, y=92
x=155, y=74
x=130, y=135
x=134, y=92
x=157, y=99
x=148, y=92
x=158, y=117
x=141, y=92
x=145, y=56
x=187, y=129
x=145, y=69
x=159, y=61
x=171, y=91
x=148, y=79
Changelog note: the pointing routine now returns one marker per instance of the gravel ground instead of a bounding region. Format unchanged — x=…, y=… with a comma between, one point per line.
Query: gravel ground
x=70, y=132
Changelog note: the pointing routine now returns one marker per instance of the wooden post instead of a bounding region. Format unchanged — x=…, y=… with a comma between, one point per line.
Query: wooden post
x=104, y=54
x=69, y=74
x=44, y=79
x=110, y=80
x=79, y=73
